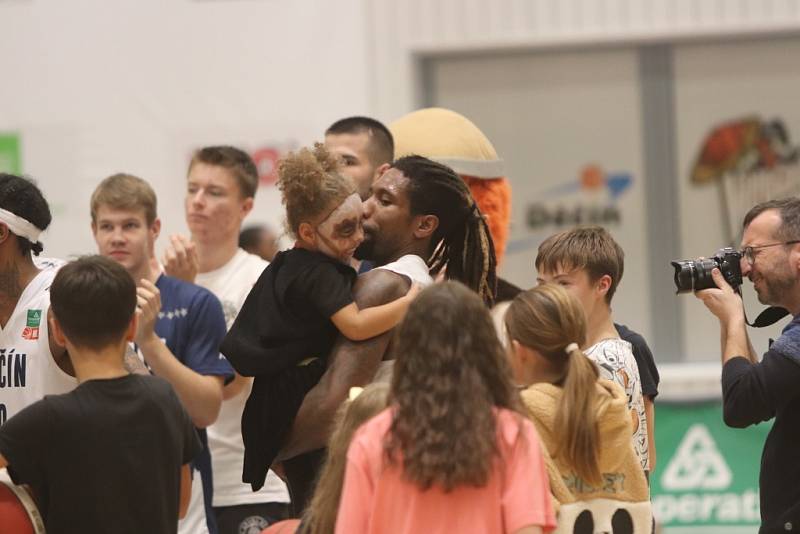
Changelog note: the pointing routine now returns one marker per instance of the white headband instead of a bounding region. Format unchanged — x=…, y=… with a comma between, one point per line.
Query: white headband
x=572, y=347
x=20, y=226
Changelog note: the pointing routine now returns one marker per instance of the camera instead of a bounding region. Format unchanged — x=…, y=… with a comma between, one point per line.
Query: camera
x=694, y=275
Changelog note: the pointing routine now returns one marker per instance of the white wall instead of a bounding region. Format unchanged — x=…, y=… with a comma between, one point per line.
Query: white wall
x=401, y=30
x=95, y=87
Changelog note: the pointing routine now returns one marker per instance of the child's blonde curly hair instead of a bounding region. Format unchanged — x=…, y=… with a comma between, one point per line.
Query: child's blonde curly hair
x=311, y=186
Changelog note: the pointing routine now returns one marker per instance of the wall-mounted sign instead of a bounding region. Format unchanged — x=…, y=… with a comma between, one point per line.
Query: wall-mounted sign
x=751, y=161
x=707, y=477
x=10, y=153
x=589, y=199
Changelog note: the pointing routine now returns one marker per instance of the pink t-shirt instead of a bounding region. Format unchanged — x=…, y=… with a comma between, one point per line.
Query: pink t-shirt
x=377, y=499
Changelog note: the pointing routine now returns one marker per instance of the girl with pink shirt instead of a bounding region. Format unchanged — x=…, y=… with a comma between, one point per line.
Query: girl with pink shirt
x=452, y=453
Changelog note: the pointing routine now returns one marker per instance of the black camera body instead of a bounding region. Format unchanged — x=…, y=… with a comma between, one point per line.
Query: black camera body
x=694, y=275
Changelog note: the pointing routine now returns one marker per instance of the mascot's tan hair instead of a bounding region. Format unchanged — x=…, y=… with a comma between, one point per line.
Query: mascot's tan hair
x=453, y=140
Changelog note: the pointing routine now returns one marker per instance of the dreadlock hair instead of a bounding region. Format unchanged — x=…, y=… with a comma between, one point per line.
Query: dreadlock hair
x=461, y=243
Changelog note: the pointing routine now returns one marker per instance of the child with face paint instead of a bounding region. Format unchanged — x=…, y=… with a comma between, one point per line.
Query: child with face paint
x=291, y=318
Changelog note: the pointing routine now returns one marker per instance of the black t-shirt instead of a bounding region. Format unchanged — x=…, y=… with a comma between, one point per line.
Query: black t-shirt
x=286, y=318
x=648, y=372
x=105, y=457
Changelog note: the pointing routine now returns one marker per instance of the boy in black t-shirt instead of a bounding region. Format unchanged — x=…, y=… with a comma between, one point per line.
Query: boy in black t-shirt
x=112, y=455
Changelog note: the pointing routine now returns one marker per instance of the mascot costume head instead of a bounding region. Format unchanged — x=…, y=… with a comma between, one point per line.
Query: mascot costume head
x=453, y=140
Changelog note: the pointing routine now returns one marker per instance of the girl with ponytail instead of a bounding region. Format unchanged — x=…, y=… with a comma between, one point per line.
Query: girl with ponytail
x=583, y=421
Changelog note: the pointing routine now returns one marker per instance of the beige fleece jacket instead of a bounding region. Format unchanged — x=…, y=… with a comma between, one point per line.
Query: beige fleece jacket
x=624, y=479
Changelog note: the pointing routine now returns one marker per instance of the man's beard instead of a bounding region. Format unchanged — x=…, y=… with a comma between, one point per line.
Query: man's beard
x=775, y=288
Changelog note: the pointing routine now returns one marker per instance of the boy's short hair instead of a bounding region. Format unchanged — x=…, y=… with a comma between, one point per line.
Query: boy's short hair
x=125, y=192
x=94, y=299
x=590, y=247
x=235, y=160
x=381, y=142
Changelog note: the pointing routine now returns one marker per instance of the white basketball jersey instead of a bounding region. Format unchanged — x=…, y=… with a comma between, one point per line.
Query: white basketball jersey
x=27, y=369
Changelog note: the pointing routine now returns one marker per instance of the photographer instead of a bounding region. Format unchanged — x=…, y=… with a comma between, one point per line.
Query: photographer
x=754, y=391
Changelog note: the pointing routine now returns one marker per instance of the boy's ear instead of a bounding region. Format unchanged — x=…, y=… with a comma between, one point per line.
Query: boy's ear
x=55, y=328
x=604, y=284
x=130, y=333
x=247, y=206
x=156, y=228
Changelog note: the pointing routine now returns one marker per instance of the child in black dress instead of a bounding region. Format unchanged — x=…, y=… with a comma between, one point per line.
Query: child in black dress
x=301, y=302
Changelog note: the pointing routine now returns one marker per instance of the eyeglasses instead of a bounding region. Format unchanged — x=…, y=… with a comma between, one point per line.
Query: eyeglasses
x=749, y=252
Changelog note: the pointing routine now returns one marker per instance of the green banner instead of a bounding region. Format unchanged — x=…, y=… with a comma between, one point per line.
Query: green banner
x=10, y=154
x=707, y=473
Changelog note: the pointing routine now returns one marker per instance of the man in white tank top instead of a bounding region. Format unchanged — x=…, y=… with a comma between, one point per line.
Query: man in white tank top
x=221, y=187
x=420, y=214
x=32, y=364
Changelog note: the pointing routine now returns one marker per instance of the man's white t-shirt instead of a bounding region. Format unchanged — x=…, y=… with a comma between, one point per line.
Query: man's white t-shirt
x=27, y=369
x=231, y=284
x=415, y=269
x=614, y=358
x=412, y=267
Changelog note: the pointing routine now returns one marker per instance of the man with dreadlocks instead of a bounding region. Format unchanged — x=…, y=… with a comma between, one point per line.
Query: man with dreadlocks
x=420, y=220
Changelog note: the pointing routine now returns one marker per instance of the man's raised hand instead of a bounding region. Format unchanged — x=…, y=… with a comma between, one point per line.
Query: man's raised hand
x=180, y=258
x=148, y=304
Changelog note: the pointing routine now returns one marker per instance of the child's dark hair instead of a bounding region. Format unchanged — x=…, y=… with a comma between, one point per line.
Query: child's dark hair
x=93, y=299
x=311, y=185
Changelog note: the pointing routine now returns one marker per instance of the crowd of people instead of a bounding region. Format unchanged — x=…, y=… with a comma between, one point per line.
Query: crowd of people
x=215, y=391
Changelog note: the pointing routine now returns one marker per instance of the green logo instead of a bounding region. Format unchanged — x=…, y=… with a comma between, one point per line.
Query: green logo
x=710, y=477
x=34, y=318
x=10, y=153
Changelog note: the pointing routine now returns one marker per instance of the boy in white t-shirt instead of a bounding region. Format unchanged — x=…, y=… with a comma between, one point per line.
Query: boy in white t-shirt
x=221, y=187
x=589, y=264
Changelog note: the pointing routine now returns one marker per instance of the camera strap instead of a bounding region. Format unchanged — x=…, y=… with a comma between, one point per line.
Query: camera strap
x=768, y=317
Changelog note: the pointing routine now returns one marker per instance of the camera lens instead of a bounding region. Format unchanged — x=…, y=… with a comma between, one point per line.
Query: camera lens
x=684, y=275
x=694, y=275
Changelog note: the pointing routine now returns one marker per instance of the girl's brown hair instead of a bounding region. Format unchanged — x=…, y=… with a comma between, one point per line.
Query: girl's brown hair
x=548, y=319
x=310, y=185
x=320, y=516
x=450, y=374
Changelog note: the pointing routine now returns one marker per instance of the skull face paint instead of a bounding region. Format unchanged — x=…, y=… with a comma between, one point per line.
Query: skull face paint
x=341, y=232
